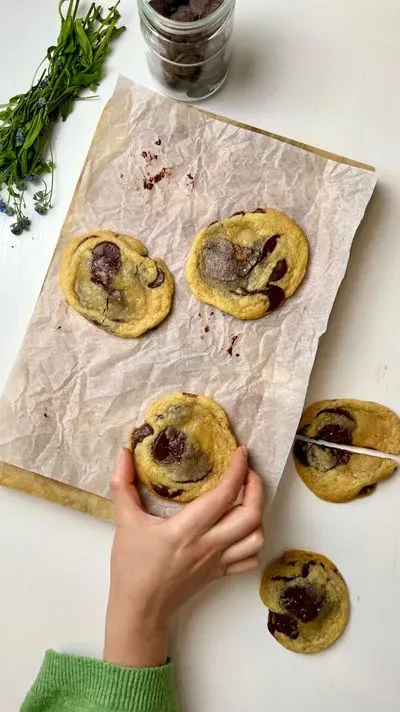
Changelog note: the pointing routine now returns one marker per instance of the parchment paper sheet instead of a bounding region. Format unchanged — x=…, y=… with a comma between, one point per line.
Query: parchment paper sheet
x=75, y=391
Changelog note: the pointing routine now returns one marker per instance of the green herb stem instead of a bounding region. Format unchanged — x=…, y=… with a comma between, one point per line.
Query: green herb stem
x=75, y=63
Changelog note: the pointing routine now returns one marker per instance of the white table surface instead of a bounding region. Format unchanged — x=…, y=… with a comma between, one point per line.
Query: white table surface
x=326, y=73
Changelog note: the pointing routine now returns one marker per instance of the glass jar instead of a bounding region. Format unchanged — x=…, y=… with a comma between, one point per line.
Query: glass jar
x=188, y=60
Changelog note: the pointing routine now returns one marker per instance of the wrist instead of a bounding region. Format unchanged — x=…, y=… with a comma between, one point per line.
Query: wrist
x=132, y=640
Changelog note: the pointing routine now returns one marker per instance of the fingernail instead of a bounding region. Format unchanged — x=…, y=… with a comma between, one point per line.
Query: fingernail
x=243, y=449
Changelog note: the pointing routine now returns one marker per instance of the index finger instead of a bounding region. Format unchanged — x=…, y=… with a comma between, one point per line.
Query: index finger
x=201, y=514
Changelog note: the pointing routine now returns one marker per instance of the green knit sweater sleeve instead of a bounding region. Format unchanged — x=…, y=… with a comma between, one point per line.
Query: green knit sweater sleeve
x=75, y=684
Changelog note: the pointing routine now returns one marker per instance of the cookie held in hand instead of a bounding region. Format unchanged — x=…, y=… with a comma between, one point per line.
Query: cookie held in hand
x=307, y=599
x=249, y=264
x=347, y=421
x=109, y=279
x=337, y=475
x=184, y=446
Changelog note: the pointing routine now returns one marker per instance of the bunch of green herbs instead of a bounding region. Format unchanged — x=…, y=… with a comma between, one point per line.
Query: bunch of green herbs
x=75, y=63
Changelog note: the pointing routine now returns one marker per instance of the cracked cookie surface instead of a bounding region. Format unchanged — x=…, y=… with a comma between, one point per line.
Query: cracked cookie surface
x=183, y=447
x=108, y=278
x=248, y=264
x=307, y=599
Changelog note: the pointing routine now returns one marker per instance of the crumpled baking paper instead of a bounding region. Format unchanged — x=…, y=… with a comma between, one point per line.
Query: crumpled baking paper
x=75, y=391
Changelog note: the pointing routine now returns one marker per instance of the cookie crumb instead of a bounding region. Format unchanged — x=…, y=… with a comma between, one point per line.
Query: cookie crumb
x=211, y=313
x=58, y=327
x=148, y=183
x=121, y=175
x=149, y=156
x=45, y=415
x=206, y=328
x=229, y=350
x=237, y=355
x=158, y=142
x=199, y=314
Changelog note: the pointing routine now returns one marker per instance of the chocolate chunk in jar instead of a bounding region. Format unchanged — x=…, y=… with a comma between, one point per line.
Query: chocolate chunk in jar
x=169, y=446
x=188, y=43
x=106, y=263
x=278, y=271
x=139, y=434
x=303, y=602
x=283, y=623
x=158, y=280
x=163, y=491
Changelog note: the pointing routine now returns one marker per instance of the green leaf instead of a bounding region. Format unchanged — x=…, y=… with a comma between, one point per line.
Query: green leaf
x=34, y=132
x=84, y=43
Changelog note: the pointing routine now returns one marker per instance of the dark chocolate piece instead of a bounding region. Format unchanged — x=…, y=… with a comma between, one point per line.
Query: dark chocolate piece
x=306, y=568
x=300, y=451
x=269, y=246
x=279, y=271
x=185, y=10
x=163, y=491
x=229, y=350
x=169, y=446
x=282, y=623
x=342, y=456
x=368, y=489
x=334, y=433
x=139, y=434
x=158, y=280
x=106, y=263
x=275, y=295
x=302, y=602
x=282, y=578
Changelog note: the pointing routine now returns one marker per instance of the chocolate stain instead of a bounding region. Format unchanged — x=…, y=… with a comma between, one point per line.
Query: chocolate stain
x=229, y=350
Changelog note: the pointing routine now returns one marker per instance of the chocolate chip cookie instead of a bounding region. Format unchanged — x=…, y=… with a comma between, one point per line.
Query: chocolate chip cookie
x=337, y=475
x=347, y=421
x=307, y=599
x=249, y=264
x=183, y=447
x=109, y=279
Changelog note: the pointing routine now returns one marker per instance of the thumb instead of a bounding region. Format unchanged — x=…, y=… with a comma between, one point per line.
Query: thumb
x=125, y=495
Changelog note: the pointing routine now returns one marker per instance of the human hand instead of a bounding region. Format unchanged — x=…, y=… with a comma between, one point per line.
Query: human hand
x=158, y=564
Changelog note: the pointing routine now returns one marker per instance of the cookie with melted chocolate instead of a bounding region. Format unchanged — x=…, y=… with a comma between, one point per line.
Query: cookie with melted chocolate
x=249, y=264
x=348, y=421
x=307, y=599
x=339, y=475
x=183, y=447
x=109, y=279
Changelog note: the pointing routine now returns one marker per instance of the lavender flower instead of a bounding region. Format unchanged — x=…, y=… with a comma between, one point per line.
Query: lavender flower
x=19, y=137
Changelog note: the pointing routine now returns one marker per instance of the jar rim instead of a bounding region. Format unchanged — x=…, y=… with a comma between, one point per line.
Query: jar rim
x=185, y=28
